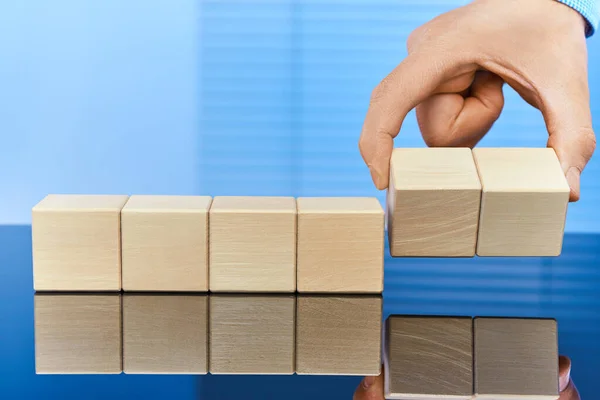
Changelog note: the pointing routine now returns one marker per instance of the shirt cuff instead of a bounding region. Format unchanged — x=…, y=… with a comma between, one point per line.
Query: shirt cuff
x=589, y=9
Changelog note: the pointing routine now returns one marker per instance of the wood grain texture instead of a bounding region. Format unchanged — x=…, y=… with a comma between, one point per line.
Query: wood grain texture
x=165, y=243
x=428, y=357
x=524, y=202
x=433, y=203
x=165, y=334
x=252, y=334
x=340, y=245
x=77, y=334
x=76, y=243
x=252, y=244
x=338, y=335
x=515, y=358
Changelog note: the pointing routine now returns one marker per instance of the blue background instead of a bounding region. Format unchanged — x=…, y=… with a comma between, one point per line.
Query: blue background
x=244, y=97
x=213, y=97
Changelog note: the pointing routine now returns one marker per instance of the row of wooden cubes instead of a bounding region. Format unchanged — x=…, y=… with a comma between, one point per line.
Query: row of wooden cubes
x=196, y=334
x=458, y=202
x=465, y=358
x=197, y=243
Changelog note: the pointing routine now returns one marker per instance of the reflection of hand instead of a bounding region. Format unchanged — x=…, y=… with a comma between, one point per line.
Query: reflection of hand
x=371, y=387
x=455, y=69
x=568, y=391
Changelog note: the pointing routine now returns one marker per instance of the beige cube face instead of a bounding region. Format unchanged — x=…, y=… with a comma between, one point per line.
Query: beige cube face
x=433, y=203
x=77, y=334
x=165, y=243
x=338, y=335
x=76, y=243
x=522, y=224
x=515, y=358
x=165, y=334
x=340, y=245
x=428, y=357
x=253, y=244
x=252, y=334
x=524, y=202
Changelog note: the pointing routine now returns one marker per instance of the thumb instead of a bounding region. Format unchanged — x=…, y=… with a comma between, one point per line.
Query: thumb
x=569, y=122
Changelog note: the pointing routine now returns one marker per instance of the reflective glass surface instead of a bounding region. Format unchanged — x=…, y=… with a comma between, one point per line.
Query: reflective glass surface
x=156, y=346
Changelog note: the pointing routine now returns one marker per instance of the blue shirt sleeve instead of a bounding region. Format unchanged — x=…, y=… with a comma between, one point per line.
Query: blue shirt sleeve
x=589, y=9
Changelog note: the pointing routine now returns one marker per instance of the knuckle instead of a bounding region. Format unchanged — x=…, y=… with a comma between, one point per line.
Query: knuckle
x=384, y=89
x=437, y=140
x=585, y=144
x=378, y=92
x=589, y=140
x=417, y=36
x=449, y=136
x=577, y=145
x=412, y=40
x=362, y=145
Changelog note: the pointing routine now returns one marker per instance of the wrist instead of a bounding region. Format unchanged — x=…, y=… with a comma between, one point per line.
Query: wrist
x=589, y=12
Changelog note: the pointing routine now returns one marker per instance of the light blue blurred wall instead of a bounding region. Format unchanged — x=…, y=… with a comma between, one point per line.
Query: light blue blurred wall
x=97, y=96
x=213, y=96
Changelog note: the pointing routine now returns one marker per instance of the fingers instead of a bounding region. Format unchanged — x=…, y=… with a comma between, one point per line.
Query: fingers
x=451, y=120
x=568, y=391
x=568, y=118
x=370, y=388
x=564, y=372
x=409, y=84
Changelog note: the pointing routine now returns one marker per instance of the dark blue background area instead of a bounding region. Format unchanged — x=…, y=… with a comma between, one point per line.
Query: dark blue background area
x=565, y=288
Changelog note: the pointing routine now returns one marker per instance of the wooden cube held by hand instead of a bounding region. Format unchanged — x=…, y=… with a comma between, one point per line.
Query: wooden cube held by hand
x=165, y=243
x=433, y=203
x=340, y=245
x=524, y=202
x=253, y=244
x=77, y=243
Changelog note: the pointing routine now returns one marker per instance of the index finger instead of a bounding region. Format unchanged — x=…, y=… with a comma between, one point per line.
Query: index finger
x=410, y=83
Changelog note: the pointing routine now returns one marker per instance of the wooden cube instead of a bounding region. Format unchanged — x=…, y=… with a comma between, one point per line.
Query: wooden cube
x=338, y=335
x=524, y=202
x=77, y=334
x=340, y=245
x=252, y=334
x=516, y=358
x=433, y=203
x=76, y=243
x=165, y=334
x=165, y=243
x=428, y=357
x=253, y=244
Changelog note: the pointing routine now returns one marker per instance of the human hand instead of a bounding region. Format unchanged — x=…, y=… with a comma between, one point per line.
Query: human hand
x=455, y=70
x=371, y=387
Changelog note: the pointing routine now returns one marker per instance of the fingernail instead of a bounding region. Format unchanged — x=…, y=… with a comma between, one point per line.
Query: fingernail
x=368, y=382
x=573, y=181
x=564, y=376
x=374, y=176
x=572, y=176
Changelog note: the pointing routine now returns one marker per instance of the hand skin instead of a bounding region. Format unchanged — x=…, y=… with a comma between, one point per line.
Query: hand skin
x=455, y=70
x=371, y=388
